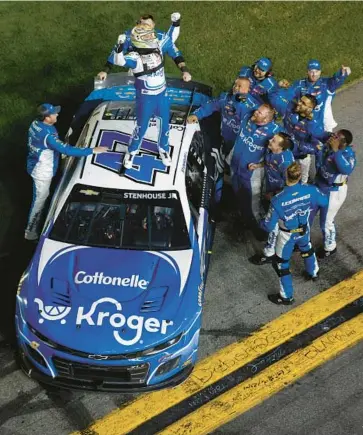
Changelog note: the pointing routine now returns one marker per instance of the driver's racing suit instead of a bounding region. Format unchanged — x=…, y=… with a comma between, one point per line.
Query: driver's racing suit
x=172, y=33
x=165, y=39
x=44, y=148
x=151, y=97
x=290, y=209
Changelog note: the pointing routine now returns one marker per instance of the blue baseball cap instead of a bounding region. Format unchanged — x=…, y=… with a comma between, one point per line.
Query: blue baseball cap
x=47, y=109
x=264, y=64
x=314, y=64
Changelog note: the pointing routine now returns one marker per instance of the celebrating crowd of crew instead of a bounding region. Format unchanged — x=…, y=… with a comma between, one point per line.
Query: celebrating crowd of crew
x=270, y=131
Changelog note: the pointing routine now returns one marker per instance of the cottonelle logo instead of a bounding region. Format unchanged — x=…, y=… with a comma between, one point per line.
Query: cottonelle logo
x=117, y=320
x=99, y=278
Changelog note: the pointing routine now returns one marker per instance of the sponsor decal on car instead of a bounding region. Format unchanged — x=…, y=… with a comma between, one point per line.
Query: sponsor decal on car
x=147, y=163
x=99, y=278
x=95, y=317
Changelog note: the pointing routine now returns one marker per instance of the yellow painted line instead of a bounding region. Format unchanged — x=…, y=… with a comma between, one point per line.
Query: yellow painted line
x=252, y=392
x=225, y=361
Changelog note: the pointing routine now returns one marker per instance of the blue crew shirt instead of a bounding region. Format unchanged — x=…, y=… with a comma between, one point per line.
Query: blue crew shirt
x=292, y=207
x=275, y=169
x=335, y=167
x=232, y=112
x=250, y=145
x=44, y=149
x=260, y=89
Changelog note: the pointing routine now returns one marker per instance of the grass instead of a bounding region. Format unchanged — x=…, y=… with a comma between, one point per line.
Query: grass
x=50, y=51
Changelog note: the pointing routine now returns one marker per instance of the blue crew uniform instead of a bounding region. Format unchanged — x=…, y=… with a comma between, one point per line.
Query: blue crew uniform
x=44, y=149
x=332, y=179
x=291, y=209
x=275, y=165
x=260, y=89
x=275, y=169
x=250, y=147
x=232, y=112
x=306, y=135
x=323, y=90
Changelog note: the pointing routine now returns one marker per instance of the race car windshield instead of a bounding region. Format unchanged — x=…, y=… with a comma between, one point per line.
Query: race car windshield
x=121, y=219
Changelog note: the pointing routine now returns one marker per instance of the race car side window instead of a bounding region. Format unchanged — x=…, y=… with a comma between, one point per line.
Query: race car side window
x=194, y=171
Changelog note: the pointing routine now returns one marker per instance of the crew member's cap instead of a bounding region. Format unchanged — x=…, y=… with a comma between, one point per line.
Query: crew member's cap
x=314, y=64
x=264, y=64
x=47, y=109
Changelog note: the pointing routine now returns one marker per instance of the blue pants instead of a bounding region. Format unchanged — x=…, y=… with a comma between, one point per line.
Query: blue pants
x=284, y=248
x=148, y=106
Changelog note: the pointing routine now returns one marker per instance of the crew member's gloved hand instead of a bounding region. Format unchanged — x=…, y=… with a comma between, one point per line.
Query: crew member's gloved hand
x=175, y=19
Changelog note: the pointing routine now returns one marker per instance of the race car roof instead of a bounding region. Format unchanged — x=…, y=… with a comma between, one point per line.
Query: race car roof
x=148, y=172
x=107, y=118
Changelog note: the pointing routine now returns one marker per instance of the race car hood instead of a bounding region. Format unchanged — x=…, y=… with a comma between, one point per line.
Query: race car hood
x=106, y=301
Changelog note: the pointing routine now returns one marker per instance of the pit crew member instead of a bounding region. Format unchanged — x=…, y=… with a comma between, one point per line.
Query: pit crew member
x=249, y=149
x=290, y=209
x=44, y=148
x=338, y=161
x=306, y=132
x=261, y=78
x=147, y=64
x=277, y=158
x=233, y=107
x=322, y=88
x=171, y=35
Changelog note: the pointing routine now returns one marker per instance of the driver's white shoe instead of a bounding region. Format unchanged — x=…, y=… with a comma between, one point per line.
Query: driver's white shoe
x=165, y=157
x=128, y=159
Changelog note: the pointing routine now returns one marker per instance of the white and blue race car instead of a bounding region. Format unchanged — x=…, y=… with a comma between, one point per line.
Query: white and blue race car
x=112, y=298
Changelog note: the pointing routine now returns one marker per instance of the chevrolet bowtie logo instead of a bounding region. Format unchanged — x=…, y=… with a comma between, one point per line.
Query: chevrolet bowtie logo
x=98, y=357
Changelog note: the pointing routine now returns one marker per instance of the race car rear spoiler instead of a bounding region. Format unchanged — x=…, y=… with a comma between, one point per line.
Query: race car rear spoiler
x=120, y=86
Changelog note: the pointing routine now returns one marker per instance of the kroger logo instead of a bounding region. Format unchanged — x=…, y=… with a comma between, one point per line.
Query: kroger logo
x=99, y=278
x=117, y=320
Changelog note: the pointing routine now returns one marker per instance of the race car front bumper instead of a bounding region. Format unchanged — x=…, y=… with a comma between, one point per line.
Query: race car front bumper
x=100, y=384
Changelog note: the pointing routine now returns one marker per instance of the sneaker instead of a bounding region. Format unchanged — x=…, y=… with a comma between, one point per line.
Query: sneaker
x=165, y=157
x=322, y=253
x=260, y=259
x=128, y=160
x=309, y=277
x=277, y=299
